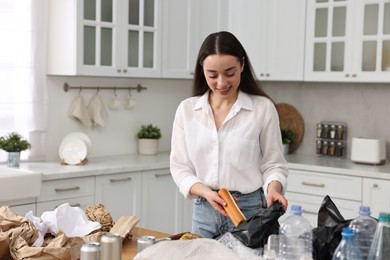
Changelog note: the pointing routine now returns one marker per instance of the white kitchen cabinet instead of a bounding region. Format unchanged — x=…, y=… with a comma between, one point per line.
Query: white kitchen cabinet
x=21, y=206
x=162, y=207
x=376, y=194
x=78, y=192
x=120, y=193
x=273, y=34
x=308, y=189
x=348, y=41
x=104, y=38
x=186, y=23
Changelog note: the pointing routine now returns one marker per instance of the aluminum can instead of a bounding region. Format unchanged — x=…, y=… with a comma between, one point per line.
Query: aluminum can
x=110, y=247
x=144, y=242
x=90, y=251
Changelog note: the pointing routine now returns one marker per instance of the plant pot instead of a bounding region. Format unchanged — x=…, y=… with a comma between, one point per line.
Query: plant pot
x=13, y=159
x=285, y=149
x=148, y=146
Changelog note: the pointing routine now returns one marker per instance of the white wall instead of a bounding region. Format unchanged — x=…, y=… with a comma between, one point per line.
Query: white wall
x=364, y=107
x=155, y=105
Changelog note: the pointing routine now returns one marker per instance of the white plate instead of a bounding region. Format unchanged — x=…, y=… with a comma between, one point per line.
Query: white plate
x=73, y=150
x=80, y=135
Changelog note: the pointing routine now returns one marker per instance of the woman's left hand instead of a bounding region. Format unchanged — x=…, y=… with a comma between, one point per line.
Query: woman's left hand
x=274, y=195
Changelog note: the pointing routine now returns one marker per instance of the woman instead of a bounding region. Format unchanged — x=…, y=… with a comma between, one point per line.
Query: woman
x=226, y=135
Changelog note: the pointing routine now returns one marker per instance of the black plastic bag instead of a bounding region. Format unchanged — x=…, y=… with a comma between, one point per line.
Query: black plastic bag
x=327, y=236
x=255, y=232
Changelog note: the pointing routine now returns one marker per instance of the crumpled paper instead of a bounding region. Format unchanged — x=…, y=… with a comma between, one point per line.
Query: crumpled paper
x=71, y=220
x=41, y=226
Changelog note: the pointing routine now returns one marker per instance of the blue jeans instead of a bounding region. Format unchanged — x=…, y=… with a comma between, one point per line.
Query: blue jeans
x=209, y=223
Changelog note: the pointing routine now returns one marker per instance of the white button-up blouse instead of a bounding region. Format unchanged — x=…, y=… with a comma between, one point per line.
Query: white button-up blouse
x=243, y=155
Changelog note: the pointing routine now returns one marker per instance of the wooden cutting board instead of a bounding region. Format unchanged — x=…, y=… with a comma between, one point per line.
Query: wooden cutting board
x=290, y=118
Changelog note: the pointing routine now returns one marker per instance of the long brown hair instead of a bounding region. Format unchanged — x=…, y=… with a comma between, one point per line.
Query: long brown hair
x=225, y=43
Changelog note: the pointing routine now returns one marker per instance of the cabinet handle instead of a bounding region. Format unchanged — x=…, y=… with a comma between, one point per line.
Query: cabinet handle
x=267, y=75
x=120, y=180
x=125, y=70
x=161, y=175
x=261, y=74
x=119, y=70
x=375, y=185
x=309, y=212
x=320, y=185
x=66, y=189
x=347, y=75
x=72, y=205
x=353, y=75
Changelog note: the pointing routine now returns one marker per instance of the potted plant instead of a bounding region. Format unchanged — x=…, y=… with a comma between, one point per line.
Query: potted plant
x=148, y=139
x=288, y=137
x=14, y=144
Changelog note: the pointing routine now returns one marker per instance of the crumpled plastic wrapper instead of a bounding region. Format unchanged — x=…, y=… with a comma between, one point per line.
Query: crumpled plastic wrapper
x=100, y=214
x=239, y=248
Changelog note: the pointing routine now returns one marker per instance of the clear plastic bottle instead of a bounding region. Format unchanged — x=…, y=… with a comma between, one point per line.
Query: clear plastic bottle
x=347, y=248
x=295, y=236
x=364, y=228
x=380, y=247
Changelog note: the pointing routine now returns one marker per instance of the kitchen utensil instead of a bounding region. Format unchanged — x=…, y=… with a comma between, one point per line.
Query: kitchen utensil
x=114, y=103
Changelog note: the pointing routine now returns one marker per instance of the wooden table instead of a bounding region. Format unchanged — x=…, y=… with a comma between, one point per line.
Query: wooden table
x=129, y=247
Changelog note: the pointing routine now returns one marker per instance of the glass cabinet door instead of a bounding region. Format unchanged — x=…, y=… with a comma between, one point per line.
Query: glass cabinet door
x=98, y=33
x=330, y=36
x=141, y=31
x=375, y=34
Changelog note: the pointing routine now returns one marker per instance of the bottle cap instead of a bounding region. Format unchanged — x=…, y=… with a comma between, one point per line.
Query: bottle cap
x=296, y=210
x=364, y=211
x=384, y=217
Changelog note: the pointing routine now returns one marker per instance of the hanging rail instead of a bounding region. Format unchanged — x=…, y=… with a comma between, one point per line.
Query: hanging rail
x=67, y=87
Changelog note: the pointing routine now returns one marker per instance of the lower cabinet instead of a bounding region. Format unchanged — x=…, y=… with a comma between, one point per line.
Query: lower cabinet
x=161, y=202
x=119, y=193
x=376, y=194
x=75, y=191
x=308, y=189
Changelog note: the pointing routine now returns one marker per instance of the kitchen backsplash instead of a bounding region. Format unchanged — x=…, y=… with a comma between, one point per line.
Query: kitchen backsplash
x=363, y=107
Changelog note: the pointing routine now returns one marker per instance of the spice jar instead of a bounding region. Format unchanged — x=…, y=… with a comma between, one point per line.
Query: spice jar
x=332, y=132
x=319, y=130
x=339, y=149
x=340, y=132
x=318, y=147
x=325, y=148
x=332, y=148
x=325, y=131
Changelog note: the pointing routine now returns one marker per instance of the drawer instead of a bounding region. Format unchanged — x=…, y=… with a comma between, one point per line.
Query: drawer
x=311, y=205
x=83, y=203
x=322, y=184
x=67, y=188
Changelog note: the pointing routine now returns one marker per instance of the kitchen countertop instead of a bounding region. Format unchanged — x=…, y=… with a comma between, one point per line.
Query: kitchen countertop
x=338, y=166
x=133, y=162
x=97, y=166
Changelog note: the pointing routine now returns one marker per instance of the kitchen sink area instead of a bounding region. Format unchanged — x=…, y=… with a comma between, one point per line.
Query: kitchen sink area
x=16, y=184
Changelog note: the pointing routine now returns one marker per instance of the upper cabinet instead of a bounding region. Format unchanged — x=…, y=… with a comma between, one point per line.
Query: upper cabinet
x=348, y=41
x=186, y=23
x=104, y=38
x=273, y=34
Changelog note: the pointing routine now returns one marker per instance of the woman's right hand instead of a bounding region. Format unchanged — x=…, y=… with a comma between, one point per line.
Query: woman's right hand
x=199, y=189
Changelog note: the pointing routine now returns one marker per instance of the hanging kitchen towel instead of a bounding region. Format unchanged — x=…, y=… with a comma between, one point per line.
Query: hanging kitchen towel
x=97, y=110
x=78, y=111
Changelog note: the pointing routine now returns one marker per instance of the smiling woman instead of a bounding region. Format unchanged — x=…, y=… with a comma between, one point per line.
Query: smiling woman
x=23, y=105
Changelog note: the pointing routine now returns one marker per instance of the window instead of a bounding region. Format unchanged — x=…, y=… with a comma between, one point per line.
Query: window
x=23, y=93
